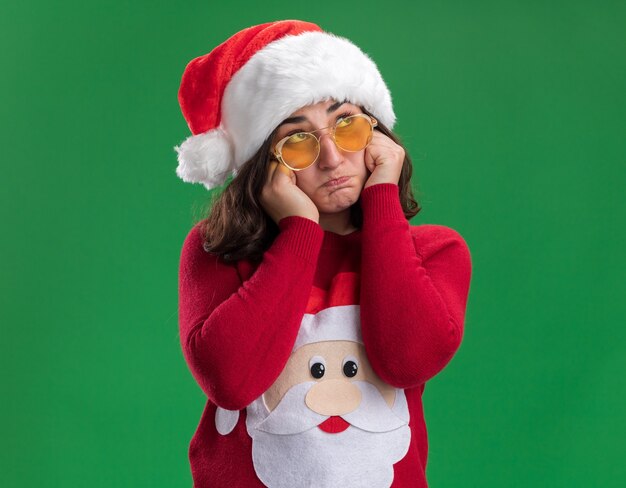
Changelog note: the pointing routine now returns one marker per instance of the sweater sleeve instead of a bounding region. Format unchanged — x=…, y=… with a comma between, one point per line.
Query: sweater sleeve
x=237, y=337
x=414, y=289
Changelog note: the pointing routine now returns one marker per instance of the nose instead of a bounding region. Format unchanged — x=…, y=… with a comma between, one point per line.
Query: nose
x=333, y=397
x=330, y=155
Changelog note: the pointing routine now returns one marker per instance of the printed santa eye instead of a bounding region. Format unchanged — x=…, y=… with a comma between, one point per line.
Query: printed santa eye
x=317, y=366
x=350, y=366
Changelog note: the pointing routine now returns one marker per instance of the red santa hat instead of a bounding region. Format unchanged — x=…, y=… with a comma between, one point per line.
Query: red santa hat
x=235, y=96
x=333, y=314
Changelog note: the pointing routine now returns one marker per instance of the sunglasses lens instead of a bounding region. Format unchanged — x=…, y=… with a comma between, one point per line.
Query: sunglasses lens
x=353, y=133
x=300, y=150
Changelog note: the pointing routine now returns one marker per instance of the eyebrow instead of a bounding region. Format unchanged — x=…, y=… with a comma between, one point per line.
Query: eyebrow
x=302, y=118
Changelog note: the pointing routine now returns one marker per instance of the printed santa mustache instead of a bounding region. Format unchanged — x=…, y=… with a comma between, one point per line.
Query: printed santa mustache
x=292, y=415
x=290, y=451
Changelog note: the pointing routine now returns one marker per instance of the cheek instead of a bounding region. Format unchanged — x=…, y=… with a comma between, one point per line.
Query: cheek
x=304, y=183
x=359, y=163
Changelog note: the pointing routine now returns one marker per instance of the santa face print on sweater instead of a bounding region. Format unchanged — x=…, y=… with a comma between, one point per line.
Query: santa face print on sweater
x=328, y=420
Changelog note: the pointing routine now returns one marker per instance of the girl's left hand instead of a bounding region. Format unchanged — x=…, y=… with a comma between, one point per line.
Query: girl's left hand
x=384, y=159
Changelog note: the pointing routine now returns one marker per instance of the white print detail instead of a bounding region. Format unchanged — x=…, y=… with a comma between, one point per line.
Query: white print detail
x=225, y=420
x=345, y=320
x=290, y=451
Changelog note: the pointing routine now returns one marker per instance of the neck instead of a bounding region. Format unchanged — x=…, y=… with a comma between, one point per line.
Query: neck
x=339, y=222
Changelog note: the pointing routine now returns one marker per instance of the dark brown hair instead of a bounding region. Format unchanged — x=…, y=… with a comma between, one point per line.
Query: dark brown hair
x=237, y=227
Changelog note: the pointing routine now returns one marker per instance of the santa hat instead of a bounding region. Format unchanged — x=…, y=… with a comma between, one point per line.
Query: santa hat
x=333, y=314
x=235, y=96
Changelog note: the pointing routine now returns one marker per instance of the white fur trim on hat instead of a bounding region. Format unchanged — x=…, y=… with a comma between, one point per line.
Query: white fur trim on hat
x=339, y=323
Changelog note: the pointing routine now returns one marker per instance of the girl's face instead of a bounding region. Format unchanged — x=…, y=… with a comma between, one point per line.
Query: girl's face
x=332, y=162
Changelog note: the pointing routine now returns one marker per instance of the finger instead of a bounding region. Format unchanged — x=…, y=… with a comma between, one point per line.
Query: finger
x=370, y=156
x=271, y=169
x=381, y=139
x=286, y=171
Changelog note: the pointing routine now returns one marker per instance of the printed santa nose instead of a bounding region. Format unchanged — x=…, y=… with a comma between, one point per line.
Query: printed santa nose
x=333, y=397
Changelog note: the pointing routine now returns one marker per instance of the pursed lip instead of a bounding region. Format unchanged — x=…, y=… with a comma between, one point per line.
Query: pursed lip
x=337, y=181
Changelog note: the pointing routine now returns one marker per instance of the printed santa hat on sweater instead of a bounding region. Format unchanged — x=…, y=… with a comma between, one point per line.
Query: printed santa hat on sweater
x=235, y=96
x=332, y=315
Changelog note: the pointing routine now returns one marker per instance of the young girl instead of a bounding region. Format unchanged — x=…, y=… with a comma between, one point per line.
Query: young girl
x=311, y=313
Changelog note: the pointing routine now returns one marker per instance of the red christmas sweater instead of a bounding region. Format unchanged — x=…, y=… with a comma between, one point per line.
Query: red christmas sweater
x=239, y=322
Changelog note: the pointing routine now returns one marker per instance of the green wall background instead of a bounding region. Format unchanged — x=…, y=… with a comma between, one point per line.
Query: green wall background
x=513, y=113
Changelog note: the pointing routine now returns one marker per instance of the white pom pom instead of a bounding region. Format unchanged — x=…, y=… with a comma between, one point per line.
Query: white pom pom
x=206, y=158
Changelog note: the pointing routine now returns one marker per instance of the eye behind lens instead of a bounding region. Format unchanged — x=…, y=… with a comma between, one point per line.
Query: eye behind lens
x=354, y=136
x=299, y=152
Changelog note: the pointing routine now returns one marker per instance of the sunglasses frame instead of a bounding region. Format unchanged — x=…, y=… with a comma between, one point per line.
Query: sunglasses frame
x=277, y=149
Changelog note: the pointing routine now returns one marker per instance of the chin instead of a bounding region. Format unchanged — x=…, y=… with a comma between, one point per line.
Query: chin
x=336, y=203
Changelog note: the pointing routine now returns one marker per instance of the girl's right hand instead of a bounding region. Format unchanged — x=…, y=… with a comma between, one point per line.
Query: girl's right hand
x=281, y=197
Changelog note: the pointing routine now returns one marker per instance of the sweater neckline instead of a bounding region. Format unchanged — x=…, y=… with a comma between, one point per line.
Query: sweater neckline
x=333, y=239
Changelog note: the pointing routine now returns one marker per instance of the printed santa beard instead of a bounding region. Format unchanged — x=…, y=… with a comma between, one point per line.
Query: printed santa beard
x=289, y=449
